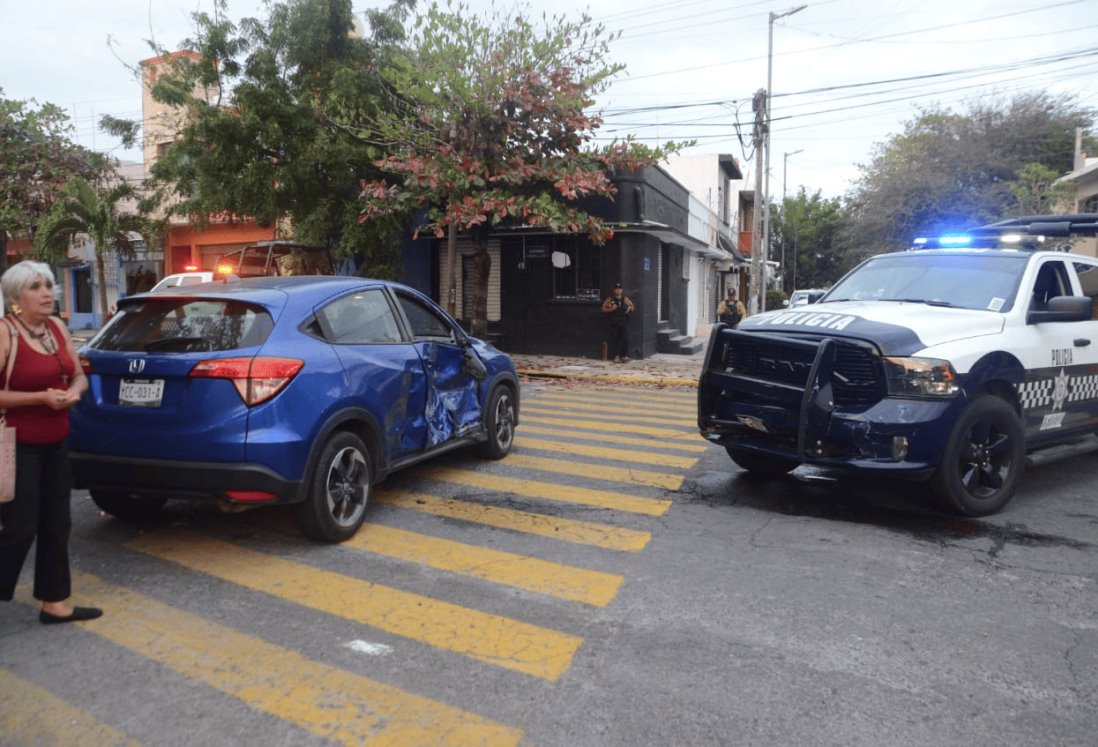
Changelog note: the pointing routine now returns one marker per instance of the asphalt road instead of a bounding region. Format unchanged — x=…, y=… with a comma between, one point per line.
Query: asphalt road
x=615, y=581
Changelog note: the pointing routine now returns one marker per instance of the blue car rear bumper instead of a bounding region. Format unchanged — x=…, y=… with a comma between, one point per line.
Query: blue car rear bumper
x=164, y=478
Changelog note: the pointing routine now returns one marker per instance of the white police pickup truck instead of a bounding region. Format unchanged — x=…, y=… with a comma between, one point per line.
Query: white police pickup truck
x=956, y=361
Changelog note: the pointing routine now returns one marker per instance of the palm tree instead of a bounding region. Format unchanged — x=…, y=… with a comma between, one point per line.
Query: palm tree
x=80, y=209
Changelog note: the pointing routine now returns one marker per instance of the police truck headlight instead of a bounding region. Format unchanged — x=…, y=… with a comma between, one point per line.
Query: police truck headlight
x=920, y=377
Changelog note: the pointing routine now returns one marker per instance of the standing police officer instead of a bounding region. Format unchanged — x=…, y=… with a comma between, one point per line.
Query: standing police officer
x=618, y=306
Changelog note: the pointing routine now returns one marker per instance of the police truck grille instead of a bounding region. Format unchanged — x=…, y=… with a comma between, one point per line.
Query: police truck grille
x=857, y=378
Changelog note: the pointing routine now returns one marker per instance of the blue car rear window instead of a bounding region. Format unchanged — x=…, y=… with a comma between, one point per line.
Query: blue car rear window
x=185, y=325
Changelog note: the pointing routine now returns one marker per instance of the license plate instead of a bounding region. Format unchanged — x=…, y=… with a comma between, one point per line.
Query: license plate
x=141, y=392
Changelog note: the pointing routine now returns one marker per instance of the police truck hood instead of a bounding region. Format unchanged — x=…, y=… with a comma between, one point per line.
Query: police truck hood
x=897, y=327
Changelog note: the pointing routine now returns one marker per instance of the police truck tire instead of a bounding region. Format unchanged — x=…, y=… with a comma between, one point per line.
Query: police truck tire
x=761, y=464
x=983, y=459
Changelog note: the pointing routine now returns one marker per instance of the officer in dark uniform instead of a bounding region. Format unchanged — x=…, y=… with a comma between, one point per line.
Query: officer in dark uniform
x=619, y=308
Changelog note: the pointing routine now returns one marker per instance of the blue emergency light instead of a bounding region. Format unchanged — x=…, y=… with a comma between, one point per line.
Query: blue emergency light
x=943, y=241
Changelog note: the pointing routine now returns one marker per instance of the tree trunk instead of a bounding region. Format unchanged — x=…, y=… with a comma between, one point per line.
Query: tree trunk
x=3, y=251
x=101, y=279
x=482, y=264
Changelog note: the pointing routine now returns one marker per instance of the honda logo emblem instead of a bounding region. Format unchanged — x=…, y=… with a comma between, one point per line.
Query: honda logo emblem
x=137, y=365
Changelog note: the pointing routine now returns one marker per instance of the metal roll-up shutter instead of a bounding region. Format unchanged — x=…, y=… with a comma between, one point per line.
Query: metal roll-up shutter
x=465, y=249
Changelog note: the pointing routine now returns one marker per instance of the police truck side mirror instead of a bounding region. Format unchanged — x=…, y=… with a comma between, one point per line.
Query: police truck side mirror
x=1063, y=309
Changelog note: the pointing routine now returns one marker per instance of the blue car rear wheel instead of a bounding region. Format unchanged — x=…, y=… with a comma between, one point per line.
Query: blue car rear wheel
x=339, y=492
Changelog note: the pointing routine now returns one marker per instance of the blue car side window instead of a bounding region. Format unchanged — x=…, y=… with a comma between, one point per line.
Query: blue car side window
x=426, y=325
x=361, y=318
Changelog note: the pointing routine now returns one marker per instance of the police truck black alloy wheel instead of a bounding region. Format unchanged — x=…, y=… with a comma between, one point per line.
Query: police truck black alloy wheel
x=983, y=460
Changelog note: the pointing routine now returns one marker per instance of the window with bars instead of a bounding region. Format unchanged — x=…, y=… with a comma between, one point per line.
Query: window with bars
x=576, y=270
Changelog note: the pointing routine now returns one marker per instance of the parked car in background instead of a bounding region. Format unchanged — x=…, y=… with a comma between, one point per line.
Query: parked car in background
x=191, y=277
x=183, y=278
x=805, y=297
x=296, y=390
x=266, y=258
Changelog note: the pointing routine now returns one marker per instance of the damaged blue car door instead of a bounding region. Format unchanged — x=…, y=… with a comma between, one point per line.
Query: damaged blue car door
x=450, y=371
x=382, y=366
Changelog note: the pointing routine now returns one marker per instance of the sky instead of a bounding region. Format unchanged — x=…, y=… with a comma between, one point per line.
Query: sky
x=846, y=74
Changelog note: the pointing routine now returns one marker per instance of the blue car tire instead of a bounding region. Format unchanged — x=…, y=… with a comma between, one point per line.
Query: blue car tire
x=339, y=492
x=499, y=422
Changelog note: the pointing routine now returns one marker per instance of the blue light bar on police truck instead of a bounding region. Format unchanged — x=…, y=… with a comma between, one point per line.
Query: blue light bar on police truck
x=944, y=241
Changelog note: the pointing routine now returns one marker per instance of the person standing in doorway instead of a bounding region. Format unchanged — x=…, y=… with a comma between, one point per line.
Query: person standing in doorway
x=619, y=308
x=731, y=310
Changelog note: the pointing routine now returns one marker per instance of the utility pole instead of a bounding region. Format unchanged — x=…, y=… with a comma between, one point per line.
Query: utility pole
x=769, y=93
x=757, y=294
x=785, y=171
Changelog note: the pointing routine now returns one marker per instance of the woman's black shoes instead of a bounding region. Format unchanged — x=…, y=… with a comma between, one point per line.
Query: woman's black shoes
x=78, y=614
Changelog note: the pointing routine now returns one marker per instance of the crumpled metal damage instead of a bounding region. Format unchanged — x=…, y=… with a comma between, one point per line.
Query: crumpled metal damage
x=453, y=407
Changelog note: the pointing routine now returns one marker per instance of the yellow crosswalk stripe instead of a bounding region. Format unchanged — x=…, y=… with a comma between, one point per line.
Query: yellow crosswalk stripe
x=647, y=478
x=322, y=699
x=526, y=648
x=653, y=458
x=615, y=414
x=608, y=427
x=656, y=407
x=561, y=428
x=547, y=490
x=31, y=715
x=522, y=572
x=677, y=397
x=567, y=530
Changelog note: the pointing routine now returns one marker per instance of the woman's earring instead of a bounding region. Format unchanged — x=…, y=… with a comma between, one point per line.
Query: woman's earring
x=16, y=309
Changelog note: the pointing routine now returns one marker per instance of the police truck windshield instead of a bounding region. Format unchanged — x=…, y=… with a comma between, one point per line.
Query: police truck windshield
x=986, y=282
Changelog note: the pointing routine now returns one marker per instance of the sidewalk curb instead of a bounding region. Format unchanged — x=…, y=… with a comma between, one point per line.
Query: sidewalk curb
x=534, y=373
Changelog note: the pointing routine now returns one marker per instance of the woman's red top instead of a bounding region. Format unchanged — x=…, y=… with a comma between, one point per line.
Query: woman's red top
x=36, y=372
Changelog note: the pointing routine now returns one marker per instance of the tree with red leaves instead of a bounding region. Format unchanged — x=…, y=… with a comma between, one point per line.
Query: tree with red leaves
x=488, y=127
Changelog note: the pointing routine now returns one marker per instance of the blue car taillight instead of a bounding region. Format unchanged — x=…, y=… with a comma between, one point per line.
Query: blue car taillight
x=256, y=379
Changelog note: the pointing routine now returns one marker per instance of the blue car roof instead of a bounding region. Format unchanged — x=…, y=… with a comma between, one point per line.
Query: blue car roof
x=269, y=291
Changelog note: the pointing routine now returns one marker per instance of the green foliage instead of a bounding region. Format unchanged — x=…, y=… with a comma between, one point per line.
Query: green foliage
x=948, y=170
x=775, y=299
x=489, y=126
x=37, y=157
x=269, y=138
x=81, y=209
x=808, y=235
x=1037, y=191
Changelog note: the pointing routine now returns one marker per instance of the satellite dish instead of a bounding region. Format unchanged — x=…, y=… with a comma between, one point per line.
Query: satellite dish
x=358, y=30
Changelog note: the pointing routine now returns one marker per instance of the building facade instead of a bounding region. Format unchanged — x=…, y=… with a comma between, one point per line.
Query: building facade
x=546, y=289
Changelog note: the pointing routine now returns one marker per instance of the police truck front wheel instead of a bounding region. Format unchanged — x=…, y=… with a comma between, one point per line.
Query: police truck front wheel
x=761, y=464
x=983, y=458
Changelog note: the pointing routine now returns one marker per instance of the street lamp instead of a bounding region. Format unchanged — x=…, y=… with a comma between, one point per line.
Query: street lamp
x=766, y=167
x=785, y=170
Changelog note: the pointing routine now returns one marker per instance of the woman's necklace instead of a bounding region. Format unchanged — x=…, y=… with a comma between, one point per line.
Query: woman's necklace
x=44, y=338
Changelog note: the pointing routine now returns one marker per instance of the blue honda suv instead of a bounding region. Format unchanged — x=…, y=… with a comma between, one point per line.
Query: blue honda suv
x=302, y=390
